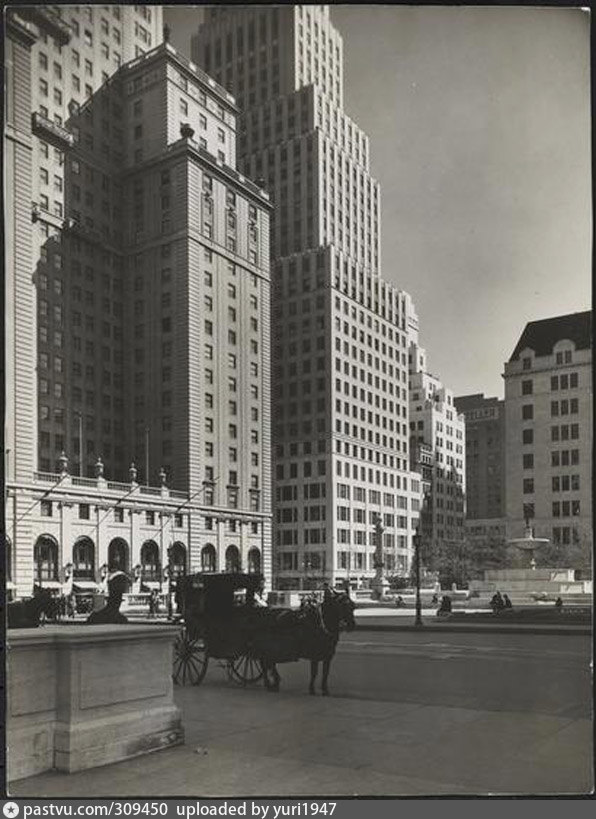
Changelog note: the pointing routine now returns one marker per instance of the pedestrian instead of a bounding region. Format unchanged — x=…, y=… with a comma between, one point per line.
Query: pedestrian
x=497, y=603
x=507, y=602
x=445, y=607
x=559, y=603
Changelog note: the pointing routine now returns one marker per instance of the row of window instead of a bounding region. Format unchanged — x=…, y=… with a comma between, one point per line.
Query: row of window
x=345, y=535
x=84, y=513
x=562, y=357
x=559, y=483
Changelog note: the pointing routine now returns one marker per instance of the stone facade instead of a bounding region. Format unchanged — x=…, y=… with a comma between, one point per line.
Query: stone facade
x=549, y=430
x=437, y=430
x=145, y=336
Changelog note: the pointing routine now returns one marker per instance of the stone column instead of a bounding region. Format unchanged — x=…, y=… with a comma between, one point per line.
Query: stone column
x=133, y=544
x=101, y=539
x=220, y=545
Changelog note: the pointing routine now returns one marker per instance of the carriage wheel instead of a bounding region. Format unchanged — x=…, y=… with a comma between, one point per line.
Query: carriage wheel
x=190, y=660
x=245, y=670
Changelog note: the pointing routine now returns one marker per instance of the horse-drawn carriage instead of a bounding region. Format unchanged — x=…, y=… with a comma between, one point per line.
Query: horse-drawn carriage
x=222, y=620
x=218, y=614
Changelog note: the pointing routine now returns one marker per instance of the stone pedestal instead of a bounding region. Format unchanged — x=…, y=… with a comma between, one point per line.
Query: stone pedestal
x=83, y=696
x=379, y=586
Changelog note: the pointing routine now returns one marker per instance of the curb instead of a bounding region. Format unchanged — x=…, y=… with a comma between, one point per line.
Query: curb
x=477, y=628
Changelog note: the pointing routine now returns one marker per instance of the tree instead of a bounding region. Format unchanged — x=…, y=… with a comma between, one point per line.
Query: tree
x=576, y=555
x=463, y=560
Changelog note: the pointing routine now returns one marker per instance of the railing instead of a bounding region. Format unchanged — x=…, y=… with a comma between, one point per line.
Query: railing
x=84, y=482
x=148, y=490
x=50, y=477
x=119, y=487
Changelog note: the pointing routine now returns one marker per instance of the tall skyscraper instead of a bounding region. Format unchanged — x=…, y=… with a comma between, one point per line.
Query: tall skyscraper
x=149, y=255
x=549, y=430
x=340, y=338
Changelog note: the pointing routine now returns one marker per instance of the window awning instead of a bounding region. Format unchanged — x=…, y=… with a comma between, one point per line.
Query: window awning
x=84, y=587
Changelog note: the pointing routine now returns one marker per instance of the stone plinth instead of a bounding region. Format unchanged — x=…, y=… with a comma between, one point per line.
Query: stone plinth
x=84, y=696
x=524, y=585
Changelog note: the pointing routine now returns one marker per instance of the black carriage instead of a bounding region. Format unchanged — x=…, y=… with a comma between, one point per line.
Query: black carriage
x=219, y=615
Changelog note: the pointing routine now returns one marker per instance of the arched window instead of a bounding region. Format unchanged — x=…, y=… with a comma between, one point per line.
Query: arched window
x=83, y=559
x=233, y=559
x=150, y=563
x=254, y=561
x=45, y=557
x=118, y=559
x=178, y=559
x=208, y=563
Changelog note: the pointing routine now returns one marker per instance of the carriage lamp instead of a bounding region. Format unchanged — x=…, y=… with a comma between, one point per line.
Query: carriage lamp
x=103, y=571
x=68, y=571
x=137, y=570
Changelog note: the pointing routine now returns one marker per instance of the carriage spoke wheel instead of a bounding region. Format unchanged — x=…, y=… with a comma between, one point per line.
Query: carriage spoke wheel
x=190, y=660
x=245, y=670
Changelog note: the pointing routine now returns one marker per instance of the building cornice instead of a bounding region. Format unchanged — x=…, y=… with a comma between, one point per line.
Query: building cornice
x=221, y=171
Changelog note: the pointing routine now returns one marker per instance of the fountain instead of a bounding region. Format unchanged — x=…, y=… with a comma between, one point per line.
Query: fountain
x=531, y=583
x=528, y=543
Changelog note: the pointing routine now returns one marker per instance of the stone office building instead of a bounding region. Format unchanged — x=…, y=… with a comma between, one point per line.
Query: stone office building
x=485, y=466
x=145, y=335
x=549, y=430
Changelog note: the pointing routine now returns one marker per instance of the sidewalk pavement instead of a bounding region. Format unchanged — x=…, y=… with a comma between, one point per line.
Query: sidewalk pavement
x=377, y=619
x=249, y=742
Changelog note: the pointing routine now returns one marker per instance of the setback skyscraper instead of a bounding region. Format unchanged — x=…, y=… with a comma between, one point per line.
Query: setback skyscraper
x=340, y=334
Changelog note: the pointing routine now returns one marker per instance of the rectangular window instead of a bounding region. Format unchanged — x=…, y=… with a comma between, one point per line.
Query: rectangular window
x=84, y=511
x=527, y=412
x=527, y=387
x=528, y=436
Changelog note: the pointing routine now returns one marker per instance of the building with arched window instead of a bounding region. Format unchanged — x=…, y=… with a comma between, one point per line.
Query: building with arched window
x=86, y=386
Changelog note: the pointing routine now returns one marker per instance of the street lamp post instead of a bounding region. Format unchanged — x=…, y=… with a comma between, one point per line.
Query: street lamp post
x=417, y=539
x=170, y=584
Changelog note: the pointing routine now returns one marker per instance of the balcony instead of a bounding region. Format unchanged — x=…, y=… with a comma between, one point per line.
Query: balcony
x=49, y=131
x=19, y=28
x=78, y=228
x=40, y=214
x=48, y=21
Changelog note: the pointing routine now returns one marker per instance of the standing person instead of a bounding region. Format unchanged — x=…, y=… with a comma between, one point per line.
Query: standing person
x=152, y=603
x=507, y=602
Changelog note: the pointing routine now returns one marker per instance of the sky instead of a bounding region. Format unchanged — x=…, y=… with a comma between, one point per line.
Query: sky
x=479, y=126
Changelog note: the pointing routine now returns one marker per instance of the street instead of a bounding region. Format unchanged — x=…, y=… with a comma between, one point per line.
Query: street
x=409, y=713
x=535, y=673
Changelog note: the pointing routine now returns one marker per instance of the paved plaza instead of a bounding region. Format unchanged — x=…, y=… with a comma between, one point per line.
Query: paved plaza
x=409, y=714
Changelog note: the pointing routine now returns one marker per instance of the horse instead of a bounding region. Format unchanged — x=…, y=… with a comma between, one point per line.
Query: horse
x=311, y=634
x=27, y=613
